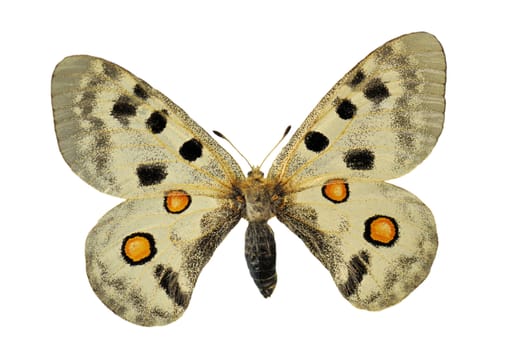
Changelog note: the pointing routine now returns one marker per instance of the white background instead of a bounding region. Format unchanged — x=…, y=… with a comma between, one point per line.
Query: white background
x=249, y=70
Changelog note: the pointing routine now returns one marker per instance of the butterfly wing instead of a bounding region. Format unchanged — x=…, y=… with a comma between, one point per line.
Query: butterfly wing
x=378, y=244
x=378, y=122
x=127, y=139
x=143, y=259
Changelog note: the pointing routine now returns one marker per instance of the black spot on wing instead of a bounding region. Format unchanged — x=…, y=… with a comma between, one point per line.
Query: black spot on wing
x=151, y=174
x=316, y=141
x=346, y=109
x=123, y=109
x=376, y=91
x=359, y=159
x=140, y=92
x=191, y=150
x=157, y=121
x=169, y=281
x=357, y=79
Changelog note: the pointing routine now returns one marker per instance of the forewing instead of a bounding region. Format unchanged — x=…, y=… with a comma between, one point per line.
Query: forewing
x=377, y=240
x=127, y=139
x=378, y=122
x=144, y=256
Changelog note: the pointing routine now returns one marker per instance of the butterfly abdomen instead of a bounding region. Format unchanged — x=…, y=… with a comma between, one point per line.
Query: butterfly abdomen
x=259, y=250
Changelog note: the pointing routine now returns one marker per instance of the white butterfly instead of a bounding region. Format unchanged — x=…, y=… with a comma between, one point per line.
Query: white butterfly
x=184, y=192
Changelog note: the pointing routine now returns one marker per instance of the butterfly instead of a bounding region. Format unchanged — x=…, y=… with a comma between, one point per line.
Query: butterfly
x=183, y=192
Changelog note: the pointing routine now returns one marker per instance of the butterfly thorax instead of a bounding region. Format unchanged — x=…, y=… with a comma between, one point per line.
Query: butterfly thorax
x=257, y=194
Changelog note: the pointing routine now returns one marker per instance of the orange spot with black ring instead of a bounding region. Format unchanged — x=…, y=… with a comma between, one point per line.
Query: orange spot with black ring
x=381, y=230
x=177, y=201
x=336, y=191
x=138, y=248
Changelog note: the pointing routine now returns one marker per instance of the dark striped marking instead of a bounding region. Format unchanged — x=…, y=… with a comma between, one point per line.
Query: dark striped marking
x=357, y=269
x=169, y=281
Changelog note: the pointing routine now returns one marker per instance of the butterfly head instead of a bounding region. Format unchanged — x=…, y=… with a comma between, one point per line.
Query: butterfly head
x=255, y=173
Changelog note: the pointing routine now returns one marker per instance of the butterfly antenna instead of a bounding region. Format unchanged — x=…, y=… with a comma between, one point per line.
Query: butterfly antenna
x=277, y=144
x=231, y=144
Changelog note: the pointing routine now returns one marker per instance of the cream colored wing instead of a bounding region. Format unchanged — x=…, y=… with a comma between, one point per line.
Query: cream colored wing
x=378, y=122
x=377, y=240
x=144, y=256
x=127, y=139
